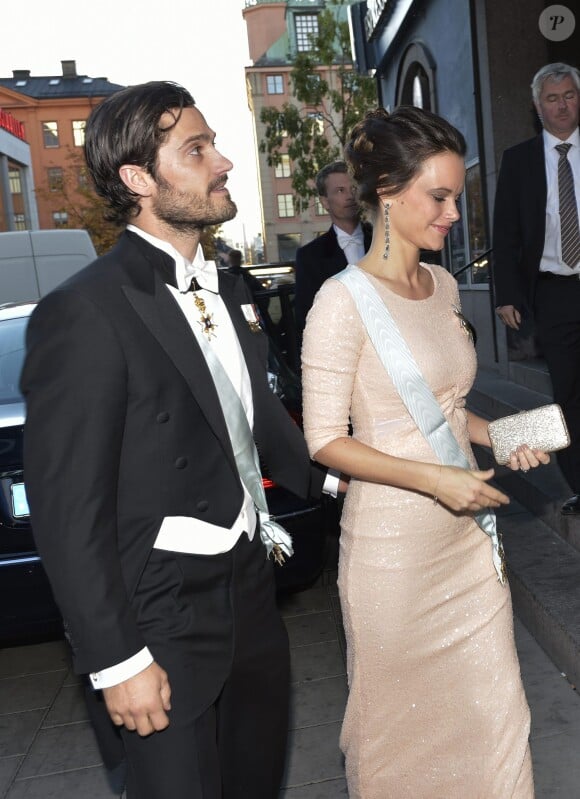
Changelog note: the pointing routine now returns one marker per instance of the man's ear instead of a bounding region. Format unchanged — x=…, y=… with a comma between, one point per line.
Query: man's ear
x=323, y=202
x=137, y=179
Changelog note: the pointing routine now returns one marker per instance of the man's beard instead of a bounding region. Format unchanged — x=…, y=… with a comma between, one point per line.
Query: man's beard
x=187, y=212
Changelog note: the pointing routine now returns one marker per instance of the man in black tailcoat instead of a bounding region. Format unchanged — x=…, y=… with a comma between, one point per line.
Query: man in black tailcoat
x=141, y=511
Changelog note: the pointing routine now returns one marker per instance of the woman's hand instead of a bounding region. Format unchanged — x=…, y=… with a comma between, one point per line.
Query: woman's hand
x=468, y=490
x=525, y=458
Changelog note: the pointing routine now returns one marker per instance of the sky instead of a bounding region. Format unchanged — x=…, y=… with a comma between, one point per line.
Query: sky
x=201, y=44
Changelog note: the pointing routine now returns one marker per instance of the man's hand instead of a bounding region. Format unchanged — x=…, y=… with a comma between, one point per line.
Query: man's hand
x=510, y=316
x=141, y=702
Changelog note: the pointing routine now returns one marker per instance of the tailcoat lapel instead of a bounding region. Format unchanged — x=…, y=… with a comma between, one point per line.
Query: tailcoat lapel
x=163, y=318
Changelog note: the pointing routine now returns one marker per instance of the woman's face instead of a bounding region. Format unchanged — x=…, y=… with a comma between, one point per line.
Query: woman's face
x=422, y=214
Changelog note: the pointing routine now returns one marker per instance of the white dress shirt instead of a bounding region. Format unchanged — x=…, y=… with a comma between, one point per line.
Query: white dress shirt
x=352, y=244
x=552, y=256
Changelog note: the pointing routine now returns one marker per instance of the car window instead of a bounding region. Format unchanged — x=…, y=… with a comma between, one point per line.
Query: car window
x=12, y=333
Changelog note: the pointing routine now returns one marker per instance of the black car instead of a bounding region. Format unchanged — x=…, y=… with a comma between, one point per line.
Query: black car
x=27, y=607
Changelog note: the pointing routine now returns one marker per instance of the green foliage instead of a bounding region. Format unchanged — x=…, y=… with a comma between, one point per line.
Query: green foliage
x=331, y=97
x=208, y=241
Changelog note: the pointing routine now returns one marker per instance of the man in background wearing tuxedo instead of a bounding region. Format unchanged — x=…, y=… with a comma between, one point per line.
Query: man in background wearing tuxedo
x=536, y=244
x=146, y=387
x=345, y=242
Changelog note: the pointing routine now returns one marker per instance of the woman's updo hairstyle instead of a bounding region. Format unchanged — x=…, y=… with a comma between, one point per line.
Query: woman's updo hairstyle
x=386, y=151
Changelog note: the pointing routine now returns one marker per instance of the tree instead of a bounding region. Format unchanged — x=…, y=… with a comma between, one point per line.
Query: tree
x=72, y=194
x=332, y=97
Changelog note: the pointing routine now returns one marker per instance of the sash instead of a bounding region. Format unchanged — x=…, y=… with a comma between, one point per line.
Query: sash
x=274, y=537
x=417, y=397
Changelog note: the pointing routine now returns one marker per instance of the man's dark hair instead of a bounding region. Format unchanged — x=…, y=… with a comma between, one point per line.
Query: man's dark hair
x=235, y=257
x=329, y=169
x=386, y=151
x=125, y=129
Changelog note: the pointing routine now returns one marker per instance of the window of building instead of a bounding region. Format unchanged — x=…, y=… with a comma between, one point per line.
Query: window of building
x=14, y=181
x=282, y=170
x=285, y=205
x=320, y=209
x=288, y=243
x=50, y=134
x=19, y=222
x=306, y=31
x=82, y=177
x=60, y=218
x=418, y=99
x=78, y=128
x=54, y=178
x=467, y=240
x=318, y=126
x=416, y=83
x=275, y=84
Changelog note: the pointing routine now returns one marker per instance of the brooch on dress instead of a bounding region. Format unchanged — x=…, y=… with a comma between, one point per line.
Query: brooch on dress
x=465, y=325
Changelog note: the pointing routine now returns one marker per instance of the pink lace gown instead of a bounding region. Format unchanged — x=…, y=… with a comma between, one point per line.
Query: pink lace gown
x=436, y=706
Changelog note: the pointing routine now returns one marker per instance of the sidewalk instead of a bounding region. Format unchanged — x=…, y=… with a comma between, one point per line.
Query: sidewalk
x=47, y=749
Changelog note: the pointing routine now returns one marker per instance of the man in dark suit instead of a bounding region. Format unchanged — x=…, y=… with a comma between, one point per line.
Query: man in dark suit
x=346, y=241
x=140, y=374
x=537, y=245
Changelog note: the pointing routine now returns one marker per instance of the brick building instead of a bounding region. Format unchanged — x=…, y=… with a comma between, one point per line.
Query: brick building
x=52, y=110
x=277, y=31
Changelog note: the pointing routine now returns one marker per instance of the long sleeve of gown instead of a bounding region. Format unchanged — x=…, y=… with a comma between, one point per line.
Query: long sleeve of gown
x=331, y=347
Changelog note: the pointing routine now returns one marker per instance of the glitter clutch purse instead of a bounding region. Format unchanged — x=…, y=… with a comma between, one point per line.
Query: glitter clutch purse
x=542, y=428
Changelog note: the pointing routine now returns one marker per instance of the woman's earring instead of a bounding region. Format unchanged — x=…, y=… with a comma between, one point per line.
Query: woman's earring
x=387, y=231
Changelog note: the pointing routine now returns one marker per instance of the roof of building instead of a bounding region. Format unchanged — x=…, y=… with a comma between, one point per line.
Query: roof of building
x=69, y=84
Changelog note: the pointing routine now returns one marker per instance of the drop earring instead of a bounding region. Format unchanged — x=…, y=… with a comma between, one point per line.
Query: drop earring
x=387, y=231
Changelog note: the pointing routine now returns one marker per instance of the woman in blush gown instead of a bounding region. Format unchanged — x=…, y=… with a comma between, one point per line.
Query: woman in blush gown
x=436, y=706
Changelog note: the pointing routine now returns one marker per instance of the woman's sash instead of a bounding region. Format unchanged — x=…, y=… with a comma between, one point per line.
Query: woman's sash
x=417, y=397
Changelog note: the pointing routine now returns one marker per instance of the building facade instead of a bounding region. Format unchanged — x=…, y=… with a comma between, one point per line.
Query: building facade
x=52, y=112
x=472, y=62
x=277, y=31
x=17, y=199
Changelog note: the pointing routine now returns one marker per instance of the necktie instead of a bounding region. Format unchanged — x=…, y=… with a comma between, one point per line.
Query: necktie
x=569, y=232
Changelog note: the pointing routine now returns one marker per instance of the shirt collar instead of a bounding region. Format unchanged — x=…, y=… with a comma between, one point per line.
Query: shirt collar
x=342, y=235
x=550, y=141
x=184, y=269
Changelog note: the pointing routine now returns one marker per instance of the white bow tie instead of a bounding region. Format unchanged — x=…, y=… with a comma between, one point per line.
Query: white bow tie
x=205, y=276
x=345, y=239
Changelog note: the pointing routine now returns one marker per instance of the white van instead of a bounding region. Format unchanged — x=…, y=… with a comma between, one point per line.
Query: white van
x=33, y=262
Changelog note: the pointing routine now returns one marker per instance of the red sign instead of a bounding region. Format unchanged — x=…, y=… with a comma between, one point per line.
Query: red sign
x=12, y=125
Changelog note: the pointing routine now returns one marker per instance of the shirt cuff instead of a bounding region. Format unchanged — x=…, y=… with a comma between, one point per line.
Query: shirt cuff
x=113, y=675
x=330, y=485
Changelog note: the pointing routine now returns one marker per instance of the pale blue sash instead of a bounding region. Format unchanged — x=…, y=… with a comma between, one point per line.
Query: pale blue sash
x=418, y=398
x=274, y=537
